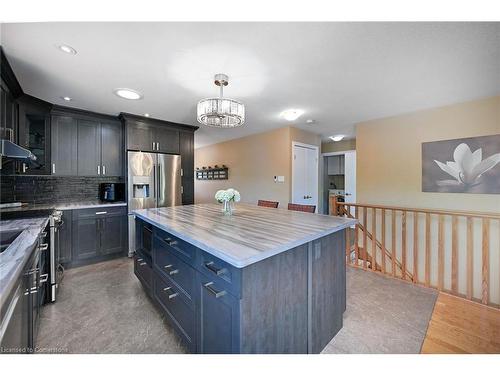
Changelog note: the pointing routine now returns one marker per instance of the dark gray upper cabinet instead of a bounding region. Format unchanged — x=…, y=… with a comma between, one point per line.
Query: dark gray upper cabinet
x=64, y=145
x=112, y=154
x=167, y=140
x=139, y=136
x=34, y=134
x=96, y=145
x=186, y=148
x=89, y=148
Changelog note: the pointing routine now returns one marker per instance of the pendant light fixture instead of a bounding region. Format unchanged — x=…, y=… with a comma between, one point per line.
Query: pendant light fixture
x=221, y=112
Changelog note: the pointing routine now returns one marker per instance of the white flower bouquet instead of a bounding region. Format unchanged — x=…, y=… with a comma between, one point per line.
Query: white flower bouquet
x=227, y=195
x=227, y=198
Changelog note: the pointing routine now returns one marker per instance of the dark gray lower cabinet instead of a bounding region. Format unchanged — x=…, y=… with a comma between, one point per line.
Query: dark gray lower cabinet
x=96, y=234
x=289, y=303
x=64, y=240
x=218, y=318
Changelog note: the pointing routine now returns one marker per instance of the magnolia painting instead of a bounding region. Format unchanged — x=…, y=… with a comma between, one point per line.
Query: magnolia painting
x=468, y=165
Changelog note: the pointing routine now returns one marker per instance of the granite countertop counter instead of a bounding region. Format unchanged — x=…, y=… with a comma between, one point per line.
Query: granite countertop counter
x=14, y=258
x=251, y=234
x=63, y=206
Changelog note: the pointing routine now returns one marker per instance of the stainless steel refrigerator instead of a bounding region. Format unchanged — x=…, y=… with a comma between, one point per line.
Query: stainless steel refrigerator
x=154, y=180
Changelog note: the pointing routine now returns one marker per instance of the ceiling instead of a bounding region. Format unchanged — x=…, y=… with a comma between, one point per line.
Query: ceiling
x=338, y=73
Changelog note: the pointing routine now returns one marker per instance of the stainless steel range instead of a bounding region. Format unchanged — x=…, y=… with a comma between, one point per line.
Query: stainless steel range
x=56, y=269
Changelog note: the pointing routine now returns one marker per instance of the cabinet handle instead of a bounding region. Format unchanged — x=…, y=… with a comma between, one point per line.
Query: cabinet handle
x=98, y=169
x=217, y=271
x=157, y=146
x=182, y=172
x=44, y=278
x=170, y=242
x=167, y=266
x=217, y=294
x=101, y=212
x=103, y=170
x=173, y=272
x=44, y=234
x=53, y=168
x=142, y=263
x=140, y=259
x=154, y=146
x=170, y=296
x=43, y=246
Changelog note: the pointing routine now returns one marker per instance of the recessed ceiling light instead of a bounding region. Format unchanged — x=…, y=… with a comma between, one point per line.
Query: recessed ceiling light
x=310, y=121
x=146, y=114
x=128, y=94
x=67, y=49
x=292, y=114
x=66, y=98
x=337, y=138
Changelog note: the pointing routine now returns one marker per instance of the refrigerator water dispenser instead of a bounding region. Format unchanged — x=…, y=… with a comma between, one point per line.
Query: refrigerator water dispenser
x=141, y=191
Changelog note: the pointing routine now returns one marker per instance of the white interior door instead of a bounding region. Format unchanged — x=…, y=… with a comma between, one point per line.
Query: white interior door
x=305, y=174
x=350, y=177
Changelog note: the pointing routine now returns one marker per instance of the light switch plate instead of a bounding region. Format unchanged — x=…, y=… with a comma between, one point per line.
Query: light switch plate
x=279, y=179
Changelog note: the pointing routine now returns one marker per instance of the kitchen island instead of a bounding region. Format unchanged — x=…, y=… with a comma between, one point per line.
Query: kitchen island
x=263, y=280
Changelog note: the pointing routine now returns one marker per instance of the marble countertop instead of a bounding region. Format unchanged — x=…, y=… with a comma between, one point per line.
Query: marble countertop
x=251, y=234
x=14, y=258
x=74, y=205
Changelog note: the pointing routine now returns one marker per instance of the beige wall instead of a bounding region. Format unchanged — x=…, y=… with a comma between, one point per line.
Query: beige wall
x=344, y=145
x=389, y=155
x=253, y=162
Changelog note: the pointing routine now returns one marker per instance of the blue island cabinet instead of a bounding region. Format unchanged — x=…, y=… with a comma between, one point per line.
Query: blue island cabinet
x=291, y=302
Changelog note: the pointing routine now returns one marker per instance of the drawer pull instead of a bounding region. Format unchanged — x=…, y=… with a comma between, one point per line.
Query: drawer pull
x=217, y=294
x=140, y=259
x=173, y=272
x=44, y=278
x=142, y=263
x=101, y=212
x=168, y=266
x=170, y=242
x=170, y=296
x=43, y=246
x=217, y=271
x=44, y=234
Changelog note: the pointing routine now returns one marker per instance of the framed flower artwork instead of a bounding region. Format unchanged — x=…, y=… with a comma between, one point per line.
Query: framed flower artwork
x=466, y=165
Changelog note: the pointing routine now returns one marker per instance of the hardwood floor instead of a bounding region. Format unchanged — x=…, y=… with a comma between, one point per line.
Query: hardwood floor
x=461, y=326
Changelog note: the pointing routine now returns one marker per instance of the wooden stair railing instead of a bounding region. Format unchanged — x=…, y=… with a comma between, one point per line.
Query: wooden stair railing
x=457, y=252
x=362, y=254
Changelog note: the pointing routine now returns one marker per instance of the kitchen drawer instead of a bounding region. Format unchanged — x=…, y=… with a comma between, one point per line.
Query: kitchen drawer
x=172, y=267
x=143, y=271
x=182, y=249
x=176, y=308
x=86, y=213
x=220, y=271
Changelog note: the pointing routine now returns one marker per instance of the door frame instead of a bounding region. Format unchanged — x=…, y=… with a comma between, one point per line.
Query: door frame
x=325, y=204
x=315, y=148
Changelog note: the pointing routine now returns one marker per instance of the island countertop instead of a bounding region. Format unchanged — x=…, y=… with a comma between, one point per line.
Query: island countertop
x=250, y=235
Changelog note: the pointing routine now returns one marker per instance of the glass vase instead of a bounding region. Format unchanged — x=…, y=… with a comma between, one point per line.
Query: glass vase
x=227, y=208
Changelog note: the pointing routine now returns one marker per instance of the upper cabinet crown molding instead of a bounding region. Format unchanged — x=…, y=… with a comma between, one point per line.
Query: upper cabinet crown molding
x=153, y=121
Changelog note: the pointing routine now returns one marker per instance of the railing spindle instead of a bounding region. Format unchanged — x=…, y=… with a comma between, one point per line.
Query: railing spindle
x=415, y=247
x=383, y=241
x=403, y=244
x=393, y=233
x=365, y=251
x=427, y=249
x=356, y=236
x=454, y=254
x=485, y=259
x=374, y=239
x=440, y=252
x=470, y=258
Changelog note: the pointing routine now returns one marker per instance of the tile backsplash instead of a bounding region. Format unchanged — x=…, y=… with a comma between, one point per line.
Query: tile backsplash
x=51, y=189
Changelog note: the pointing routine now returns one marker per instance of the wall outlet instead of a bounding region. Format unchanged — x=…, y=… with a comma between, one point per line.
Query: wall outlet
x=279, y=179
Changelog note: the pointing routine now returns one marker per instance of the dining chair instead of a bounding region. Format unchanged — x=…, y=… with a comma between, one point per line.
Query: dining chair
x=264, y=203
x=301, y=207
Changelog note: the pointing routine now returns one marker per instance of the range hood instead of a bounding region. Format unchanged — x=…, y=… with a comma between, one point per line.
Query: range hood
x=9, y=149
